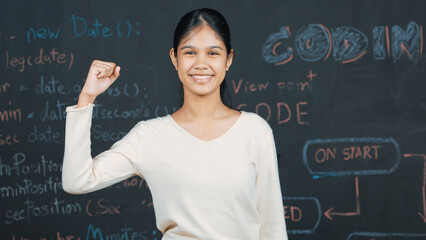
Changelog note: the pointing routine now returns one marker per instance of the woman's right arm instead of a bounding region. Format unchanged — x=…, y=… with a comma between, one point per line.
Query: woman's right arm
x=80, y=172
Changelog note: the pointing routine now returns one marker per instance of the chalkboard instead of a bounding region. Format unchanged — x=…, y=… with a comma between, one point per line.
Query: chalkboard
x=341, y=83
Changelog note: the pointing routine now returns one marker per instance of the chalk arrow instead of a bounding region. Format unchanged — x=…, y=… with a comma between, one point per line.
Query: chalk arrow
x=424, y=194
x=329, y=212
x=422, y=155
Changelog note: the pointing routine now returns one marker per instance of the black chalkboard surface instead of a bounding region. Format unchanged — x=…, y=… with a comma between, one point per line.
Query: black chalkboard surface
x=342, y=84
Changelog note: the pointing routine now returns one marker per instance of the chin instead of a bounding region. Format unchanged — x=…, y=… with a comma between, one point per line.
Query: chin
x=200, y=91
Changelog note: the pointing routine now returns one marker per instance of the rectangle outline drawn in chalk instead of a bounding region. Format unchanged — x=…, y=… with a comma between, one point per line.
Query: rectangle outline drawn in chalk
x=353, y=140
x=377, y=234
x=307, y=231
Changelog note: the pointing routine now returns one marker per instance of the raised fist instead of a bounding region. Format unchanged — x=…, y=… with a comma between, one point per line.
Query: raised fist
x=101, y=75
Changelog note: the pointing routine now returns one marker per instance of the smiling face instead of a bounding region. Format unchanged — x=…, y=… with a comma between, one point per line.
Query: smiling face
x=201, y=62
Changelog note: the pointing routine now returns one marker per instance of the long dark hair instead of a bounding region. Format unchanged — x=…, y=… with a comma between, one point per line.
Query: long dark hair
x=215, y=21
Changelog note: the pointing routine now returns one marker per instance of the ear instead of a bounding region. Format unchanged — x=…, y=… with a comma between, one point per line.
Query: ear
x=229, y=59
x=173, y=58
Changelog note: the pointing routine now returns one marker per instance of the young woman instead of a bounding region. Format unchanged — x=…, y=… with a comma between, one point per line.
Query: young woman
x=212, y=171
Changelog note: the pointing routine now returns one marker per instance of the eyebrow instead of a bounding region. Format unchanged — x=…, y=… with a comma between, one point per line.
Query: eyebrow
x=190, y=46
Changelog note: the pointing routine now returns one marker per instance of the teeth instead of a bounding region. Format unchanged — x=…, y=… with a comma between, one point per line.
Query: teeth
x=201, y=77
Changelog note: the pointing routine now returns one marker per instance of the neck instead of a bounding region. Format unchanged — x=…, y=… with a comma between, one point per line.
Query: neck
x=202, y=107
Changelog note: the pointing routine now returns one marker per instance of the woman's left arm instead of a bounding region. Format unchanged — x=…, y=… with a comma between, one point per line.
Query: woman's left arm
x=268, y=190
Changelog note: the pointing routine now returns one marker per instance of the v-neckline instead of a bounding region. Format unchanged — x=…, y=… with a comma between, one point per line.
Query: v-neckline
x=202, y=140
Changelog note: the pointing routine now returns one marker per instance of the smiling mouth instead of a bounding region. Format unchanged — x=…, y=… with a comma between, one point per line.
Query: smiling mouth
x=201, y=78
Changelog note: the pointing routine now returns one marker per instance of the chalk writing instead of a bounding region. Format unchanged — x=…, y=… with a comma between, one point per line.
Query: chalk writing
x=8, y=140
x=104, y=135
x=315, y=42
x=43, y=33
x=4, y=87
x=47, y=136
x=283, y=111
x=247, y=86
x=14, y=114
x=379, y=38
x=349, y=44
x=407, y=42
x=125, y=233
x=27, y=187
x=57, y=236
x=55, y=113
x=128, y=90
x=351, y=156
x=81, y=27
x=50, y=58
x=32, y=209
x=97, y=29
x=300, y=85
x=163, y=110
x=133, y=182
x=49, y=87
x=148, y=203
x=269, y=48
x=101, y=207
x=292, y=85
x=296, y=220
x=18, y=168
x=100, y=113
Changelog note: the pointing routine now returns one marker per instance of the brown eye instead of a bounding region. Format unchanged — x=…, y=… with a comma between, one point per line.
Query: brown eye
x=214, y=53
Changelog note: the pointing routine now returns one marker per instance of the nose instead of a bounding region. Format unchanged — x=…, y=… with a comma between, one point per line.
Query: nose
x=200, y=62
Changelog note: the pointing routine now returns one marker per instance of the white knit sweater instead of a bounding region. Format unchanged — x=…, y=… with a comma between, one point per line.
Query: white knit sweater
x=224, y=189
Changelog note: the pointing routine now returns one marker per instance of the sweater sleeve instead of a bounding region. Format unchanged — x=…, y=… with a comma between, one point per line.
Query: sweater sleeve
x=80, y=172
x=268, y=190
